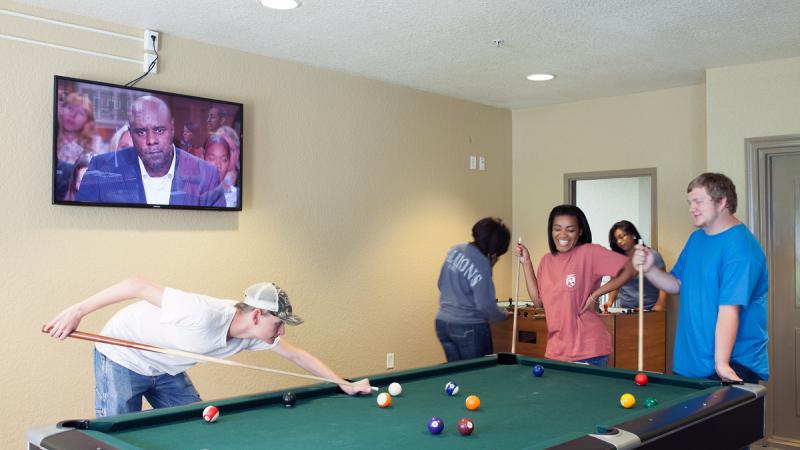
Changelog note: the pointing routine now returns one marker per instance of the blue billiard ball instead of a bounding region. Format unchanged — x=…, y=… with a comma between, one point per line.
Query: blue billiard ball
x=435, y=425
x=451, y=388
x=537, y=370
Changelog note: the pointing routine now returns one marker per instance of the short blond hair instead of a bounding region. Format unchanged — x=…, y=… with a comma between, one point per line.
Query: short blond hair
x=718, y=187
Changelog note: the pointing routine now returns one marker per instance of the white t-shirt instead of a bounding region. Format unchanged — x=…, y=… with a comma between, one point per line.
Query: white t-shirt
x=189, y=322
x=158, y=189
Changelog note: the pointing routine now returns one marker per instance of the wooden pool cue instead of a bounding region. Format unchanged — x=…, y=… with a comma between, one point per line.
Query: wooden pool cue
x=516, y=304
x=196, y=356
x=641, y=315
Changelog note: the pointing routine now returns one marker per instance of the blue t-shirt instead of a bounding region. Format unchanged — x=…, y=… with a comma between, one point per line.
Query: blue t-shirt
x=466, y=290
x=728, y=268
x=628, y=295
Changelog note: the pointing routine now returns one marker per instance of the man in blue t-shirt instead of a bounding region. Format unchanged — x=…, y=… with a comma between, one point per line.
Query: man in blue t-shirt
x=721, y=276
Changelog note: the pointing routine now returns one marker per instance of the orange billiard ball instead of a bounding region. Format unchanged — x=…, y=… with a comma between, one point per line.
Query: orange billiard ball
x=384, y=400
x=473, y=402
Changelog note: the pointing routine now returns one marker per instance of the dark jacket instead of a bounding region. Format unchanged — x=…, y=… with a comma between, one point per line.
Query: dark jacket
x=116, y=178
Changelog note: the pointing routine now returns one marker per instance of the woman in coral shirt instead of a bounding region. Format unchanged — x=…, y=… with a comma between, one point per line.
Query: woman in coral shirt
x=568, y=286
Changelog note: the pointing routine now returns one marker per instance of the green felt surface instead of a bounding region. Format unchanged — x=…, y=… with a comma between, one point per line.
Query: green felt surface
x=517, y=410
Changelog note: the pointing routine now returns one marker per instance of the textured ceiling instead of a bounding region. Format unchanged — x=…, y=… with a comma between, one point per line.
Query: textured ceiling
x=597, y=48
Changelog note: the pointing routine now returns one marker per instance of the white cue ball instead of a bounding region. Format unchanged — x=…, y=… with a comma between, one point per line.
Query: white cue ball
x=395, y=389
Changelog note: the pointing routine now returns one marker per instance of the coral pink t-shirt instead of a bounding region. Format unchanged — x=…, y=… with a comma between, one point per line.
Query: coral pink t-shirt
x=565, y=282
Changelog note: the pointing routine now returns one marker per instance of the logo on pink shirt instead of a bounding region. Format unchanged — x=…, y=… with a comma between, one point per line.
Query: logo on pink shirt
x=570, y=280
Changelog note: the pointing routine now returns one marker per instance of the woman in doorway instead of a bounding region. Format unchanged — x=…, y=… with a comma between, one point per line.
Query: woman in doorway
x=622, y=238
x=568, y=286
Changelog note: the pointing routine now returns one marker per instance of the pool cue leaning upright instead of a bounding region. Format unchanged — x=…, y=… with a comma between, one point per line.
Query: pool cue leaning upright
x=641, y=315
x=516, y=304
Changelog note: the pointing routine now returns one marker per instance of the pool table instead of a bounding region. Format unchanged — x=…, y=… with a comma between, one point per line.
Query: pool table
x=571, y=406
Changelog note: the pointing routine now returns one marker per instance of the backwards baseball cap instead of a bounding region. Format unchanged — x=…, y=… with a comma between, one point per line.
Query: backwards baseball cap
x=270, y=297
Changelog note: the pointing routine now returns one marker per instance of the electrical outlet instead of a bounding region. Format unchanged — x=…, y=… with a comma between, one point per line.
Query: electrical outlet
x=149, y=43
x=148, y=59
x=390, y=360
x=481, y=163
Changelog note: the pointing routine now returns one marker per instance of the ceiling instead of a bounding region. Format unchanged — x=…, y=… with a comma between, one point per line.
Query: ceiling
x=596, y=48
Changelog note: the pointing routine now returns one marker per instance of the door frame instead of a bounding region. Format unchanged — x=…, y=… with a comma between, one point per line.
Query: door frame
x=759, y=154
x=571, y=179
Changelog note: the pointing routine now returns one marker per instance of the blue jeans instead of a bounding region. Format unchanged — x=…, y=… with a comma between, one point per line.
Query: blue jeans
x=601, y=361
x=464, y=341
x=119, y=390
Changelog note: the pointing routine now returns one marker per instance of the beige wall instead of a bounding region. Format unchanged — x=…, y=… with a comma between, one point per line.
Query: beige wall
x=354, y=189
x=662, y=129
x=748, y=101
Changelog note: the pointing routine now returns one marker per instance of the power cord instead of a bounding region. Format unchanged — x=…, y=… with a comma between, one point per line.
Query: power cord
x=149, y=69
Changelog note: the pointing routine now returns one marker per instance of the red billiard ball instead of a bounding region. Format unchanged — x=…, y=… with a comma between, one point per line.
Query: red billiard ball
x=465, y=426
x=210, y=414
x=640, y=379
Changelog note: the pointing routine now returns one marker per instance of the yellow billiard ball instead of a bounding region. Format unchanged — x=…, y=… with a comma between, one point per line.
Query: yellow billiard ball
x=627, y=400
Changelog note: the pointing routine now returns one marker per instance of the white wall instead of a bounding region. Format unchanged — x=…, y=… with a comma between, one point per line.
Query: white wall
x=607, y=201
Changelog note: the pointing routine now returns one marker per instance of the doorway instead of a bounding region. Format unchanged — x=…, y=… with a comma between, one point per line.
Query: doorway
x=773, y=175
x=608, y=197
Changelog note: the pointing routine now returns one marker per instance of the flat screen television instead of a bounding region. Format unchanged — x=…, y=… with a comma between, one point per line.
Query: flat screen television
x=124, y=146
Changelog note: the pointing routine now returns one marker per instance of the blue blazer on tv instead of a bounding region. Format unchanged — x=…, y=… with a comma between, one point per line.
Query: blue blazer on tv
x=116, y=177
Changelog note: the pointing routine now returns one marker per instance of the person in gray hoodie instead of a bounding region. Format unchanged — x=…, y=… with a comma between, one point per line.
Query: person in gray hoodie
x=466, y=292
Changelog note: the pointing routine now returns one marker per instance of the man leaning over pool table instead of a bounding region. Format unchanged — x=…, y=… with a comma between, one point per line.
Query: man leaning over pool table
x=174, y=319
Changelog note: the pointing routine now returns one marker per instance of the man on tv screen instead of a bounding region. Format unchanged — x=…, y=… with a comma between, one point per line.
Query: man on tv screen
x=153, y=171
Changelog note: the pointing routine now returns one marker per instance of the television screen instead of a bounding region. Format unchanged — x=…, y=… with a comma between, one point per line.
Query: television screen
x=123, y=146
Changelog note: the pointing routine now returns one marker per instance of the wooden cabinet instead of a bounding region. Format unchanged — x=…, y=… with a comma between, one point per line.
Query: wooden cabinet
x=624, y=329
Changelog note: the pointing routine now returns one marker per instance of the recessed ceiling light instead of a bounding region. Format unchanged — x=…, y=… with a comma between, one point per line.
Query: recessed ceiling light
x=281, y=4
x=541, y=76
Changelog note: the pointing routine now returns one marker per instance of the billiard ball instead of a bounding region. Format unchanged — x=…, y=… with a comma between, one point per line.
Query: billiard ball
x=210, y=414
x=451, y=388
x=465, y=426
x=640, y=379
x=627, y=401
x=473, y=402
x=384, y=400
x=435, y=425
x=537, y=370
x=395, y=389
x=649, y=402
x=289, y=400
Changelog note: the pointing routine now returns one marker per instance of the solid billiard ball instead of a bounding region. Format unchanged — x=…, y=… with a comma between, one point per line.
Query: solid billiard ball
x=640, y=379
x=451, y=388
x=537, y=370
x=473, y=402
x=289, y=400
x=435, y=425
x=395, y=389
x=649, y=402
x=627, y=401
x=384, y=400
x=465, y=426
x=210, y=414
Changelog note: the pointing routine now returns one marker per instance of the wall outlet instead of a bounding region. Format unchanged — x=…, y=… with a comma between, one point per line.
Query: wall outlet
x=481, y=163
x=148, y=59
x=390, y=360
x=473, y=162
x=149, y=44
